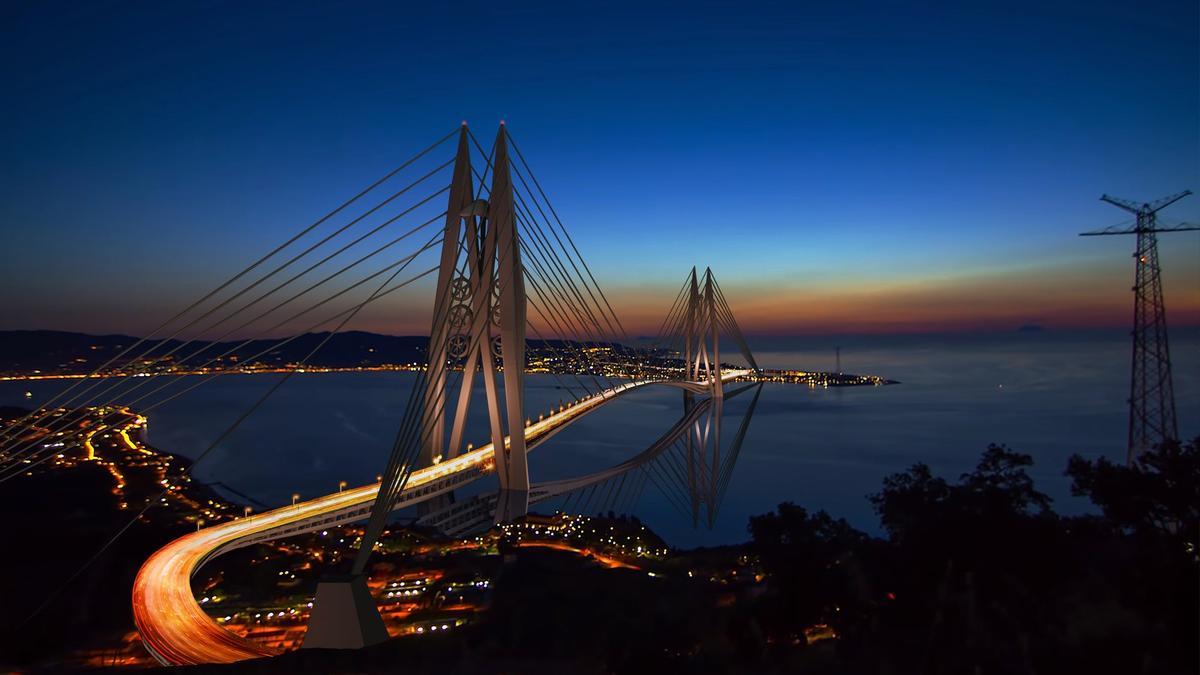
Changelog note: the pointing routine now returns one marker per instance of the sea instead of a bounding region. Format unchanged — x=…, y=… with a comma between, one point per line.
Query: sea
x=1049, y=394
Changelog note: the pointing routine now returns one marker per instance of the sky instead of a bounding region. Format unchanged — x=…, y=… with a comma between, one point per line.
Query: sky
x=851, y=167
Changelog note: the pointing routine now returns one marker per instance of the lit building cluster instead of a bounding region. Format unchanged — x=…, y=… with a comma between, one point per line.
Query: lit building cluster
x=113, y=437
x=603, y=538
x=822, y=379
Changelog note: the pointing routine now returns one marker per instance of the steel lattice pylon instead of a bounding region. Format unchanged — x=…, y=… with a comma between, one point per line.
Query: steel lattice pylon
x=1151, y=392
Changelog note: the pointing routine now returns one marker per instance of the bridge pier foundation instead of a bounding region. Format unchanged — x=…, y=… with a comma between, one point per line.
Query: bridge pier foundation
x=511, y=504
x=344, y=616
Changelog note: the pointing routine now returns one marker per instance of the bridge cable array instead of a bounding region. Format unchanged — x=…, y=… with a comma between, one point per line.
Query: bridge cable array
x=18, y=457
x=150, y=503
x=685, y=464
x=148, y=364
x=693, y=315
x=127, y=352
x=560, y=303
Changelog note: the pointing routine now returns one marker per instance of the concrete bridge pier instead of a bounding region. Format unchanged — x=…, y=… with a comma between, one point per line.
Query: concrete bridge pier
x=344, y=615
x=511, y=504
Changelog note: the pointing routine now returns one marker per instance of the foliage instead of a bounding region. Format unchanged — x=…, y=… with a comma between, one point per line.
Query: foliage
x=998, y=489
x=1159, y=493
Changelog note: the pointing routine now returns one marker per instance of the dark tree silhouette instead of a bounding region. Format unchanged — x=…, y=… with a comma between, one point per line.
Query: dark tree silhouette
x=1159, y=493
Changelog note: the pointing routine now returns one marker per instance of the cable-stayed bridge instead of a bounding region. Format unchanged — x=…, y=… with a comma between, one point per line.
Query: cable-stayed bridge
x=178, y=631
x=505, y=275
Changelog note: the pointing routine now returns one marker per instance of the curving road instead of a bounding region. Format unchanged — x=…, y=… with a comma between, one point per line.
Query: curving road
x=175, y=629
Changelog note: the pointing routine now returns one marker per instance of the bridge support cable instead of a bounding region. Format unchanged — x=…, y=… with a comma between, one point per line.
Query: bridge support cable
x=561, y=317
x=23, y=422
x=585, y=310
x=693, y=474
x=613, y=330
x=553, y=315
x=489, y=230
x=735, y=329
x=553, y=301
x=698, y=319
x=581, y=327
x=672, y=334
x=662, y=444
x=643, y=478
x=668, y=488
x=571, y=255
x=633, y=496
x=614, y=490
x=400, y=266
x=422, y=418
x=558, y=344
x=674, y=313
x=567, y=235
x=37, y=457
x=562, y=384
x=119, y=381
x=31, y=460
x=554, y=297
x=326, y=279
x=555, y=270
x=735, y=448
x=554, y=267
x=138, y=361
x=208, y=345
x=205, y=453
x=179, y=346
x=141, y=382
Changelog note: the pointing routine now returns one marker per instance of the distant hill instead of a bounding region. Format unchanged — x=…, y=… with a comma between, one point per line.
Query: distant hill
x=45, y=352
x=28, y=351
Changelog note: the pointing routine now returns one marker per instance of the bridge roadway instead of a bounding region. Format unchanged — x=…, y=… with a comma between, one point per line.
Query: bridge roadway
x=177, y=631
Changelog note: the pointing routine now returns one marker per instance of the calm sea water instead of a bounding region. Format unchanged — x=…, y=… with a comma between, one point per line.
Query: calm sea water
x=1049, y=394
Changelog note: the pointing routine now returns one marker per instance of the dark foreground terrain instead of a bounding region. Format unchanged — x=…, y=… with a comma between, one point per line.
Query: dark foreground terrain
x=976, y=575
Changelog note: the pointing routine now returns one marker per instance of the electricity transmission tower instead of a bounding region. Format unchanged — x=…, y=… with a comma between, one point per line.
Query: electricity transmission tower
x=1151, y=393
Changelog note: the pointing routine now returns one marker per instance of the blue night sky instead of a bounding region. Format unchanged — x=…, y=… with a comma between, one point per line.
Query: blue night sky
x=843, y=167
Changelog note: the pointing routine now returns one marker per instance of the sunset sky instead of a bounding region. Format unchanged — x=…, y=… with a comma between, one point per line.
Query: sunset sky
x=839, y=175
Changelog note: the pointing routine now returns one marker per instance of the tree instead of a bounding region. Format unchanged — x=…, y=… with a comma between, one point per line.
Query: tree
x=1159, y=493
x=998, y=490
x=807, y=558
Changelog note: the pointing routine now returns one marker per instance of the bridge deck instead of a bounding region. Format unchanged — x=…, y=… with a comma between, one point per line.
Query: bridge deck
x=177, y=631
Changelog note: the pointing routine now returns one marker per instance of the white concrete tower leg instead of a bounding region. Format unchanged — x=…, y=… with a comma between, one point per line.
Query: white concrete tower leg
x=511, y=461
x=439, y=332
x=711, y=309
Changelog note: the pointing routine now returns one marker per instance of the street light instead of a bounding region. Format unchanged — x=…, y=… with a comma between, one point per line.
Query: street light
x=341, y=485
x=295, y=498
x=199, y=524
x=246, y=512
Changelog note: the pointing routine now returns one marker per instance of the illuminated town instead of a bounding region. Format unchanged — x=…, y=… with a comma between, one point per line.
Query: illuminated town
x=545, y=357
x=423, y=583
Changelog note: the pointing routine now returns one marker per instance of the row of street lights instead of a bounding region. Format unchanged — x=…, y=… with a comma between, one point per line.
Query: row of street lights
x=295, y=498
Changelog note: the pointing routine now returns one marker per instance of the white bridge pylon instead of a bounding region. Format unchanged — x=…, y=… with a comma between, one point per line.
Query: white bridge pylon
x=694, y=326
x=693, y=476
x=479, y=316
x=481, y=289
x=478, y=327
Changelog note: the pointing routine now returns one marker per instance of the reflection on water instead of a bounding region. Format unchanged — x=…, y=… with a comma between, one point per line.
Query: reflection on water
x=1049, y=395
